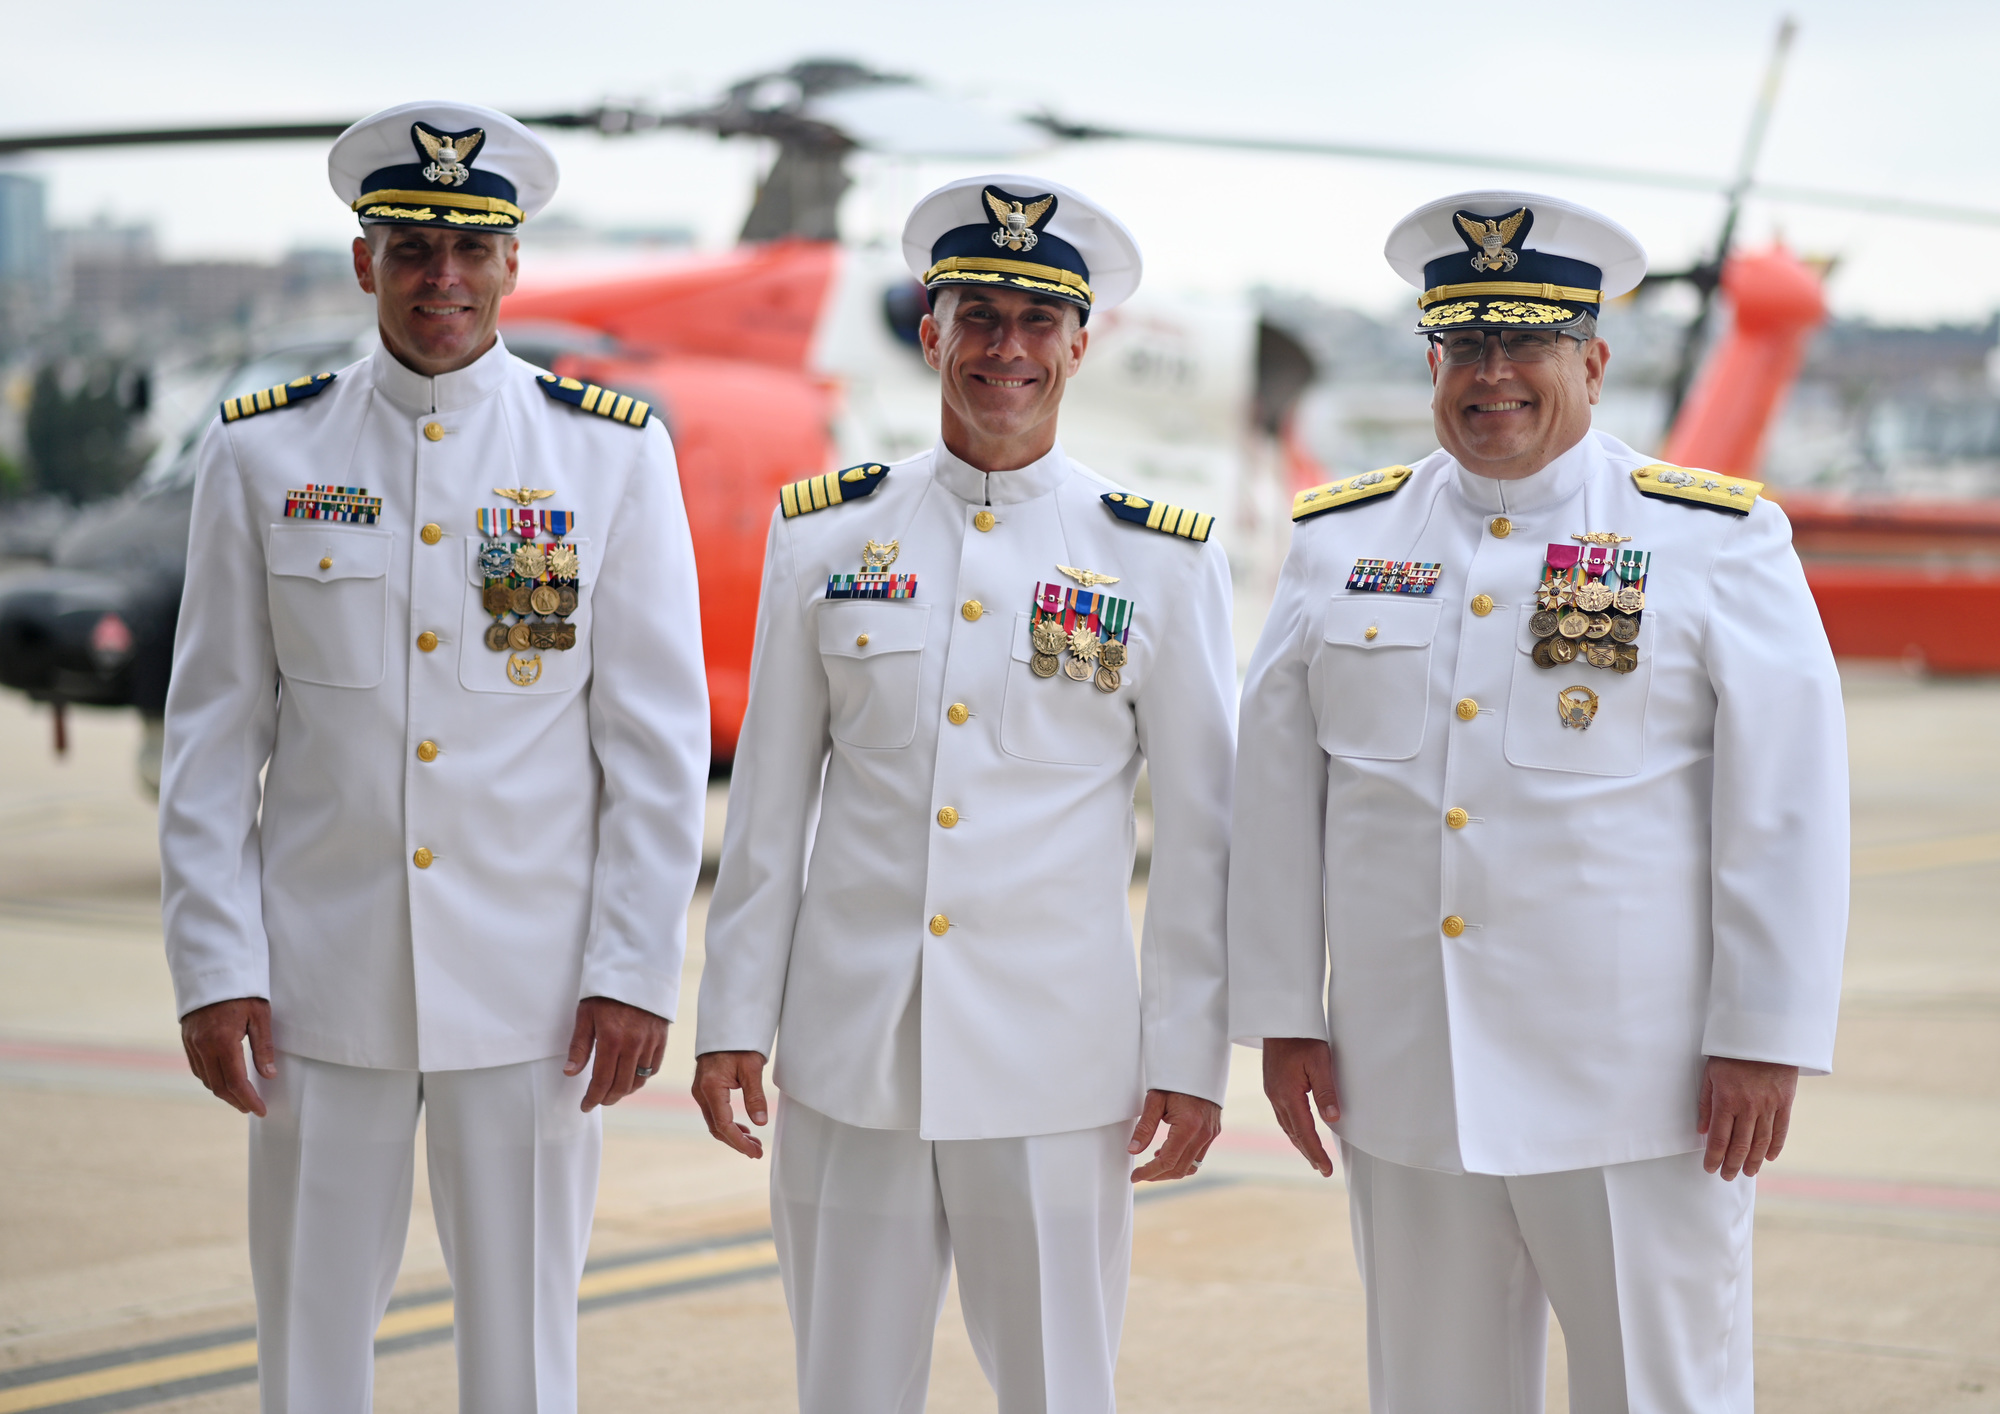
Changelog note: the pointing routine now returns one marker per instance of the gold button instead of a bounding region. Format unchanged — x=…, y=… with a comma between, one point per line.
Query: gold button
x=434, y=431
x=427, y=640
x=983, y=522
x=1501, y=527
x=422, y=858
x=1467, y=709
x=1453, y=926
x=947, y=817
x=1370, y=632
x=427, y=751
x=326, y=562
x=939, y=923
x=1456, y=818
x=957, y=714
x=432, y=533
x=862, y=641
x=1482, y=604
x=972, y=609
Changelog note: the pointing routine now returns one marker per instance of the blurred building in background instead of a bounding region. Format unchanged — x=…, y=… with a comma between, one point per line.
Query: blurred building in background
x=1908, y=410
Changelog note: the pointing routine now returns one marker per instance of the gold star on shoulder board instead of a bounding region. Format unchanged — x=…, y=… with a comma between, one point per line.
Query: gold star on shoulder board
x=1089, y=579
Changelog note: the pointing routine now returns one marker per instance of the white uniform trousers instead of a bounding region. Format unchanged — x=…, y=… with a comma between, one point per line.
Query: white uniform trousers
x=513, y=1174
x=1647, y=1265
x=870, y=1221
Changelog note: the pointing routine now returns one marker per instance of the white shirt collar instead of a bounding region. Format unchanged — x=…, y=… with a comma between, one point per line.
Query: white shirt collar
x=448, y=392
x=1552, y=485
x=1000, y=488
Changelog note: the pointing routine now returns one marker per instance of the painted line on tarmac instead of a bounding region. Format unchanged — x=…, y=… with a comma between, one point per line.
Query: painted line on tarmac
x=1911, y=856
x=1866, y=1193
x=1859, y=1347
x=151, y=1374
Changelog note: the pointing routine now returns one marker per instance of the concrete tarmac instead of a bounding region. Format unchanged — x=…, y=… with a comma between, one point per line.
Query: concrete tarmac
x=124, y=1281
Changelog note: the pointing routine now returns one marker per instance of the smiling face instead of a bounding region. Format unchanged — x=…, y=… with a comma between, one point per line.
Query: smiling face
x=1003, y=358
x=437, y=291
x=1508, y=420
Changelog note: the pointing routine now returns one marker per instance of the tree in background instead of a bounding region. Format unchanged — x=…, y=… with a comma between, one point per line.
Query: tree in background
x=80, y=436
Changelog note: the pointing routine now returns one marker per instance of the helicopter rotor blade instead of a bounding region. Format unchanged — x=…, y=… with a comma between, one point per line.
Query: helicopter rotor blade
x=1707, y=276
x=1628, y=176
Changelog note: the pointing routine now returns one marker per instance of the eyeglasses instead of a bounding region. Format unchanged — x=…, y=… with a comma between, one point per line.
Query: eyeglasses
x=1520, y=345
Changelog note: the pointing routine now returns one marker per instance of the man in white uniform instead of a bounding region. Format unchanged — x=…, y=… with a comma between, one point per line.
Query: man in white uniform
x=1541, y=821
x=962, y=661
x=446, y=604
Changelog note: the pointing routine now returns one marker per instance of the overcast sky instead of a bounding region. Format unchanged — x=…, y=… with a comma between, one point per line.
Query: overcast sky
x=1896, y=100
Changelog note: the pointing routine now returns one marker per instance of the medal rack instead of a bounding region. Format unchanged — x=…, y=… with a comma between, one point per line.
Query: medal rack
x=1091, y=627
x=1589, y=606
x=531, y=586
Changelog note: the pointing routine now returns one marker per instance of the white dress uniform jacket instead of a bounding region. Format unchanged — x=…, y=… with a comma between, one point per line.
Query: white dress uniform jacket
x=563, y=818
x=1668, y=884
x=1027, y=1015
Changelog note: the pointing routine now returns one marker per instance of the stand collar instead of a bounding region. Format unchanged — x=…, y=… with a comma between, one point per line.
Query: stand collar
x=1552, y=485
x=1000, y=488
x=448, y=392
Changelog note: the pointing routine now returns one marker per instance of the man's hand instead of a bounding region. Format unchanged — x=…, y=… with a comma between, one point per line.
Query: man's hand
x=715, y=1075
x=1192, y=1124
x=213, y=1036
x=1745, y=1110
x=627, y=1040
x=1295, y=1068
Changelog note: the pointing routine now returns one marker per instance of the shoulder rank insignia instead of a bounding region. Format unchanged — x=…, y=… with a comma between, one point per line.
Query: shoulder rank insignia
x=830, y=488
x=619, y=407
x=1158, y=515
x=1339, y=495
x=282, y=396
x=1665, y=482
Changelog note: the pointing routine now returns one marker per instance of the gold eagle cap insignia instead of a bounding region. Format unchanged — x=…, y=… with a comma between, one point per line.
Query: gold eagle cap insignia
x=447, y=164
x=1492, y=236
x=1017, y=220
x=1089, y=579
x=522, y=495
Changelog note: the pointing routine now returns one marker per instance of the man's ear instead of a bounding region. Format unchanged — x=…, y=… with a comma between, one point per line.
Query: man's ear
x=364, y=264
x=1596, y=357
x=928, y=337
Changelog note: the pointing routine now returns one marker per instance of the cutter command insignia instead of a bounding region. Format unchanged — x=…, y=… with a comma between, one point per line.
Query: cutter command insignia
x=282, y=396
x=619, y=407
x=830, y=488
x=1732, y=495
x=1158, y=515
x=1339, y=495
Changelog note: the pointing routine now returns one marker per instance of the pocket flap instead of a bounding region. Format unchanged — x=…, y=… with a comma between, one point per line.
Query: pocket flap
x=327, y=552
x=887, y=626
x=1380, y=621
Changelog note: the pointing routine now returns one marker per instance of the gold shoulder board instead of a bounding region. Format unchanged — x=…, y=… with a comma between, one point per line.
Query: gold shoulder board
x=1158, y=515
x=1339, y=495
x=619, y=407
x=830, y=488
x=282, y=396
x=1665, y=482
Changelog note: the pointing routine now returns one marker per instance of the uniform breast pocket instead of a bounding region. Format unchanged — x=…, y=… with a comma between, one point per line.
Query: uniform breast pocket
x=1371, y=682
x=329, y=596
x=1613, y=744
x=1062, y=722
x=531, y=670
x=873, y=652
